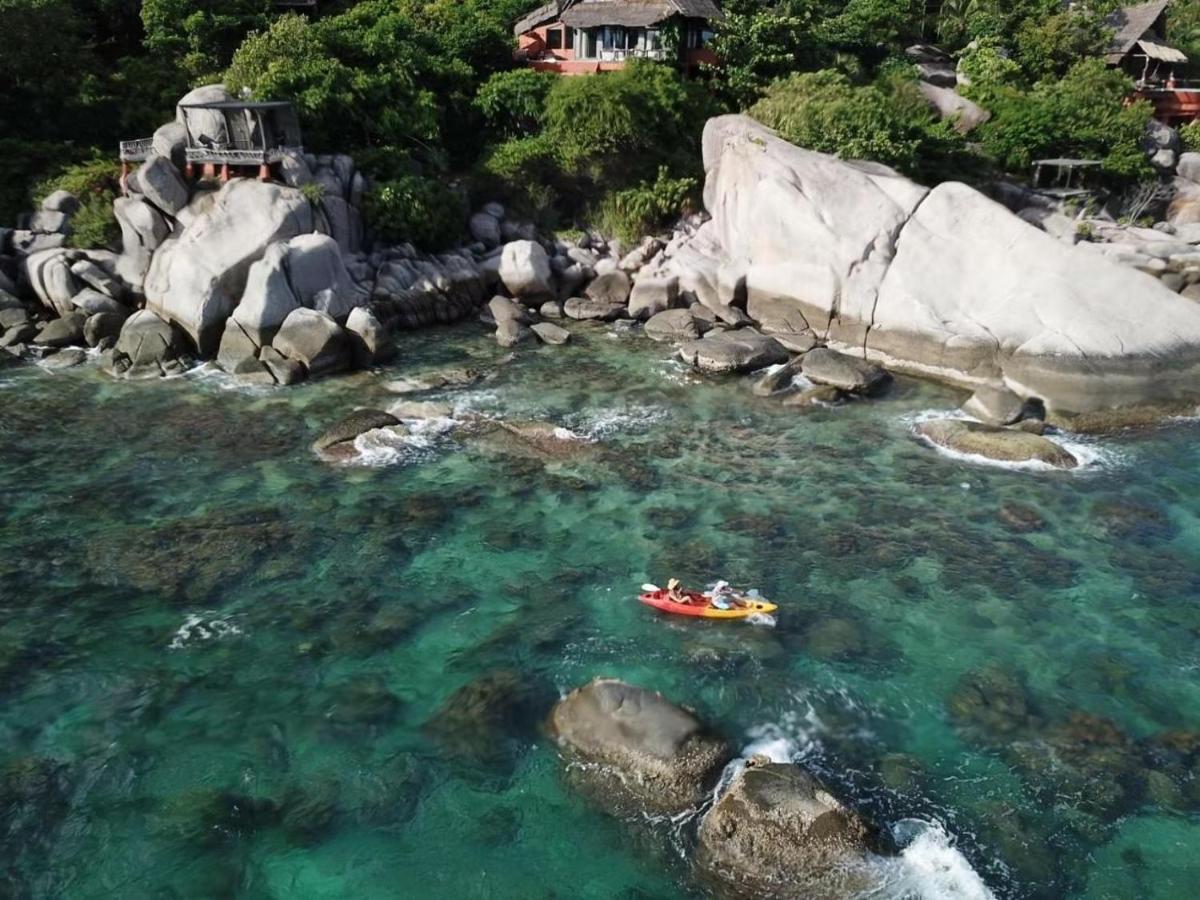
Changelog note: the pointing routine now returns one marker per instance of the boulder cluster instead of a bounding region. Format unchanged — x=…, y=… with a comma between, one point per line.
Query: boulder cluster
x=804, y=249
x=585, y=278
x=774, y=830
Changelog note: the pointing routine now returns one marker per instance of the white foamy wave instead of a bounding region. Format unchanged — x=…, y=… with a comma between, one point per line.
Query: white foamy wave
x=599, y=424
x=929, y=867
x=198, y=627
x=209, y=374
x=386, y=447
x=1091, y=454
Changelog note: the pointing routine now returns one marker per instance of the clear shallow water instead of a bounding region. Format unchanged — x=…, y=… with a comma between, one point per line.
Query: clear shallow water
x=228, y=669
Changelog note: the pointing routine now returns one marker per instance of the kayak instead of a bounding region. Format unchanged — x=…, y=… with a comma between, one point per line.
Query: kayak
x=701, y=608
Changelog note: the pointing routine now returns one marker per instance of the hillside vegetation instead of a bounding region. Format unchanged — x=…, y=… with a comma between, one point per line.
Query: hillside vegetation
x=425, y=94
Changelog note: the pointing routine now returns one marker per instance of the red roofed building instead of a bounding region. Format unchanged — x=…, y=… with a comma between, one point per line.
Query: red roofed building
x=582, y=37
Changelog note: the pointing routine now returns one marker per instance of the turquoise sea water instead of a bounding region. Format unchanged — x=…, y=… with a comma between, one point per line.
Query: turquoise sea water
x=228, y=669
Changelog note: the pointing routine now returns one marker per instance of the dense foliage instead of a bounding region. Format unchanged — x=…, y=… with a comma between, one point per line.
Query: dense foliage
x=426, y=94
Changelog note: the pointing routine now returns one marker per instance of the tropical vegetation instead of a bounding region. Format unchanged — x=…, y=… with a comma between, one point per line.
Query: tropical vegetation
x=426, y=94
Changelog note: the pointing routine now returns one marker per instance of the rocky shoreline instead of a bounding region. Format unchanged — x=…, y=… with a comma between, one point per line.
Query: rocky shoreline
x=827, y=274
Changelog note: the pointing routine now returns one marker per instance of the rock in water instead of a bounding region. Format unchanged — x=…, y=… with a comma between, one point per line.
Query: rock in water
x=369, y=341
x=358, y=422
x=63, y=332
x=991, y=442
x=147, y=347
x=611, y=289
x=942, y=283
x=652, y=295
x=648, y=754
x=778, y=834
x=846, y=373
x=549, y=333
x=313, y=339
x=583, y=308
x=734, y=351
x=197, y=278
x=779, y=381
x=673, y=325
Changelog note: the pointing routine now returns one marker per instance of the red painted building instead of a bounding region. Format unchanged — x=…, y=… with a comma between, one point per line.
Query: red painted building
x=1140, y=49
x=583, y=37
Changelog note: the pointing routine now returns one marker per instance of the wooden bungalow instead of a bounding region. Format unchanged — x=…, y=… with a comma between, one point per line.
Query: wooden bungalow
x=228, y=137
x=582, y=37
x=1140, y=49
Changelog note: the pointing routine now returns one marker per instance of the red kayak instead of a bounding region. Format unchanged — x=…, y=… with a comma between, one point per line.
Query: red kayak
x=700, y=606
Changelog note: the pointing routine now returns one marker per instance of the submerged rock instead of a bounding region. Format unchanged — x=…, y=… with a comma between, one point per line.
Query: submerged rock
x=777, y=833
x=350, y=427
x=846, y=373
x=432, y=381
x=991, y=442
x=636, y=750
x=780, y=381
x=734, y=351
x=548, y=333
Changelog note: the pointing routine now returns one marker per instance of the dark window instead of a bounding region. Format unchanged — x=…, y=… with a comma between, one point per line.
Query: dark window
x=592, y=45
x=554, y=39
x=568, y=37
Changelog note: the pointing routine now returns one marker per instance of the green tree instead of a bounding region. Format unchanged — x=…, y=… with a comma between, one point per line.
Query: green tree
x=1084, y=114
x=200, y=36
x=513, y=102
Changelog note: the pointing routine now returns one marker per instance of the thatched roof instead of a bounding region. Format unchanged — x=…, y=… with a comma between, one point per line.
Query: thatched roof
x=629, y=13
x=540, y=16
x=1131, y=25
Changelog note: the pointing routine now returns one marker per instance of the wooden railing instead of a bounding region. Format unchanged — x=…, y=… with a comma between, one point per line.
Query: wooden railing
x=239, y=156
x=136, y=151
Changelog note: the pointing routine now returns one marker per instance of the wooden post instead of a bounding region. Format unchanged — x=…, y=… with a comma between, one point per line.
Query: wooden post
x=124, y=178
x=264, y=172
x=189, y=171
x=225, y=173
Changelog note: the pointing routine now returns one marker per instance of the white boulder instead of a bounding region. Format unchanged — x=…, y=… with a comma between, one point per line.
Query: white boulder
x=525, y=270
x=197, y=278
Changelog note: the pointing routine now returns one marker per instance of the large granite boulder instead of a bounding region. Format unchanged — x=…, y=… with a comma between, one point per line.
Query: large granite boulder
x=964, y=115
x=525, y=271
x=651, y=296
x=370, y=343
x=66, y=331
x=49, y=275
x=673, y=325
x=778, y=834
x=205, y=125
x=268, y=298
x=313, y=339
x=640, y=752
x=148, y=346
x=160, y=182
x=942, y=283
x=744, y=350
x=197, y=278
x=315, y=266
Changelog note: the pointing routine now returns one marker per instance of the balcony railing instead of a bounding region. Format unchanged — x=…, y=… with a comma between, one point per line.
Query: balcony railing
x=239, y=156
x=137, y=151
x=623, y=55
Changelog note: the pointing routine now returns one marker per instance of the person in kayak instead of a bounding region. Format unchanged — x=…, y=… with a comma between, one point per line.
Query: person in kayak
x=722, y=596
x=674, y=594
